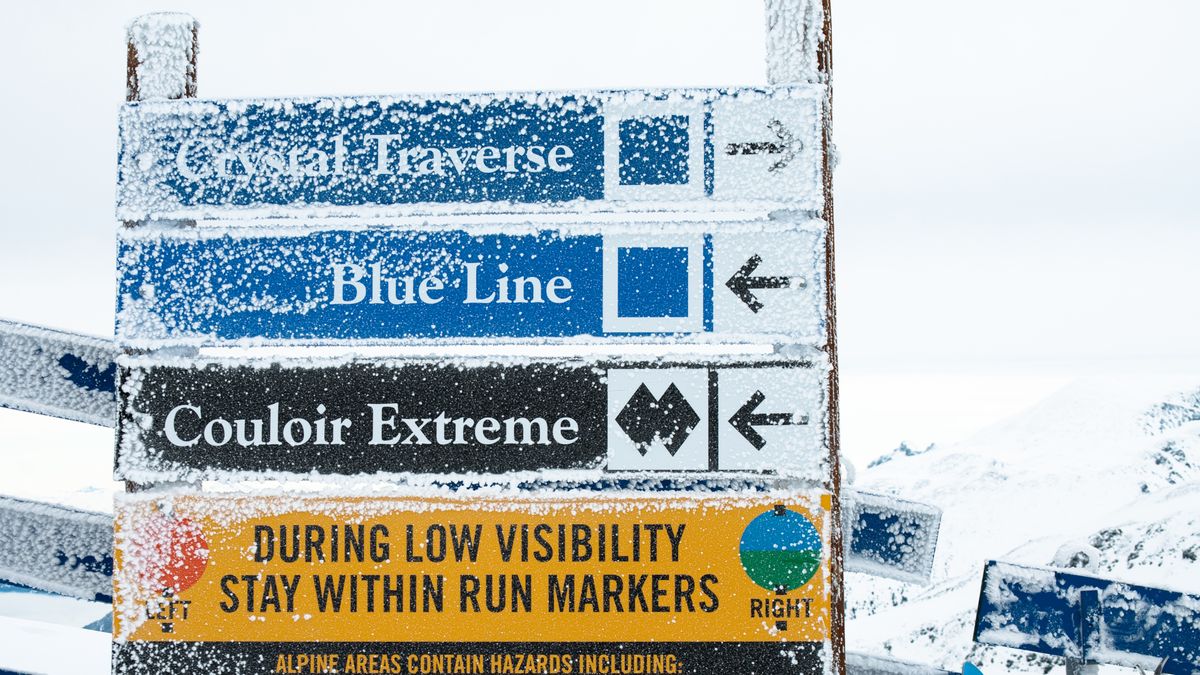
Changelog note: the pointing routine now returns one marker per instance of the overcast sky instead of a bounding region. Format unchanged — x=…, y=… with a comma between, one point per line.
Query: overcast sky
x=1017, y=188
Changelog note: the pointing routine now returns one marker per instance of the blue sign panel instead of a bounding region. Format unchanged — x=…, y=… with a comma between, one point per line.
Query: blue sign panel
x=387, y=284
x=1087, y=618
x=890, y=537
x=191, y=158
x=872, y=664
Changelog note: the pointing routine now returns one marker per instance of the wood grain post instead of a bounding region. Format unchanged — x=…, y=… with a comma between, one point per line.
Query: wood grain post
x=160, y=64
x=800, y=51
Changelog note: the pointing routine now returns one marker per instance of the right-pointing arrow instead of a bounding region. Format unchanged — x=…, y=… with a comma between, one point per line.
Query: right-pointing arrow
x=743, y=283
x=745, y=419
x=787, y=147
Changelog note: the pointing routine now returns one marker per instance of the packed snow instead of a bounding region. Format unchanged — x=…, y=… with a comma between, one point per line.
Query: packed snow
x=1112, y=462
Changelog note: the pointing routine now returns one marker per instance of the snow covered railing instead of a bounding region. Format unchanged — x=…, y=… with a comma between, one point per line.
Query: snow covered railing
x=58, y=373
x=56, y=549
x=1089, y=619
x=870, y=664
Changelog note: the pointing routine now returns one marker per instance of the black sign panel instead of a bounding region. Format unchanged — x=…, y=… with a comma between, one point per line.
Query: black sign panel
x=189, y=420
x=685, y=658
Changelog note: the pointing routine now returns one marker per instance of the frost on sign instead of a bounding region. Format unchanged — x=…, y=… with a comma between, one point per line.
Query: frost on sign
x=56, y=549
x=1089, y=618
x=387, y=284
x=571, y=582
x=890, y=537
x=215, y=419
x=56, y=373
x=600, y=150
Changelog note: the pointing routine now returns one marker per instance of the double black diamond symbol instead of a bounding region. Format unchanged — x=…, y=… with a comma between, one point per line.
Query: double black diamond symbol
x=669, y=419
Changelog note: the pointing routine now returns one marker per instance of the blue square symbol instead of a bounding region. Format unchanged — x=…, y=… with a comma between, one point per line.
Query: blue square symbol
x=654, y=150
x=652, y=282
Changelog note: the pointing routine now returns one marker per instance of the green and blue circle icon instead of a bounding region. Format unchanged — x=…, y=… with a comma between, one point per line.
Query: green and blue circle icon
x=780, y=550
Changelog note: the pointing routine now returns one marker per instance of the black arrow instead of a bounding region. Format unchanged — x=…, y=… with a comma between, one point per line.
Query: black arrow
x=787, y=146
x=742, y=283
x=745, y=419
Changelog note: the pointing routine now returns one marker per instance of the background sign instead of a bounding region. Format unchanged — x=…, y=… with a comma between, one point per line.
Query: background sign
x=579, y=583
x=389, y=284
x=183, y=420
x=56, y=549
x=194, y=158
x=889, y=537
x=56, y=373
x=1087, y=618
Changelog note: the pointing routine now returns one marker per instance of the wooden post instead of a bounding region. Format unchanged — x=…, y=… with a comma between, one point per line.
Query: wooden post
x=161, y=61
x=800, y=50
x=160, y=64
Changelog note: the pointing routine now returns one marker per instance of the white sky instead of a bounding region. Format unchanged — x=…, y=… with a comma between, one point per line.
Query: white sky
x=1016, y=200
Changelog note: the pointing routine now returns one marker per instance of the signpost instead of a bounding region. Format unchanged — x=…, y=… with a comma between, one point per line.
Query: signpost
x=389, y=284
x=459, y=152
x=523, y=514
x=57, y=373
x=56, y=549
x=1090, y=619
x=210, y=418
x=567, y=582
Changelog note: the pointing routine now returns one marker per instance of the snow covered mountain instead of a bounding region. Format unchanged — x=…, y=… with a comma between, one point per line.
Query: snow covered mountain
x=1112, y=463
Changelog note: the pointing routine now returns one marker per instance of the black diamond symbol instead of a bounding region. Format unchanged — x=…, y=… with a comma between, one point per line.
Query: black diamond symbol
x=669, y=419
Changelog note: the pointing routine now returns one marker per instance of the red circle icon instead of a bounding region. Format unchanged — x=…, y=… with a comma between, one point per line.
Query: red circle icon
x=177, y=555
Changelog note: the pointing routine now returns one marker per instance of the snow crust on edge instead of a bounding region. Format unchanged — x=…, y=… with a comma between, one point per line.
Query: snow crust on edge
x=165, y=52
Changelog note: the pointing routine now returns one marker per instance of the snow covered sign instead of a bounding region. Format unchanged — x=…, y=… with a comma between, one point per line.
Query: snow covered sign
x=890, y=537
x=57, y=373
x=1087, y=618
x=572, y=582
x=623, y=150
x=56, y=549
x=385, y=284
x=193, y=419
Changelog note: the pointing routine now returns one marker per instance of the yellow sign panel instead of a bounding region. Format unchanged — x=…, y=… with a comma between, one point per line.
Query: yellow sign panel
x=399, y=577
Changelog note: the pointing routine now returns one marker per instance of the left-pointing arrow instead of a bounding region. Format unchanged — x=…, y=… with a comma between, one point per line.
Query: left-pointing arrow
x=745, y=419
x=742, y=283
